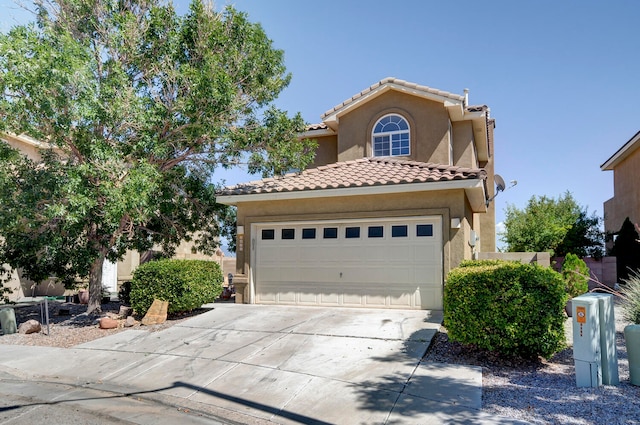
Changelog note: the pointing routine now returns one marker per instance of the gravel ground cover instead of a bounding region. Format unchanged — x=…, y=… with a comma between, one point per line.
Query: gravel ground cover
x=539, y=392
x=70, y=325
x=544, y=391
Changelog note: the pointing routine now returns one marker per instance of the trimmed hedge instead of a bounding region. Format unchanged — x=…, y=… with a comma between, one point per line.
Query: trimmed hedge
x=508, y=307
x=186, y=284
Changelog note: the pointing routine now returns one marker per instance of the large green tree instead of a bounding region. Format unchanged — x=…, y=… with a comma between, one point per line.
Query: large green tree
x=143, y=105
x=559, y=226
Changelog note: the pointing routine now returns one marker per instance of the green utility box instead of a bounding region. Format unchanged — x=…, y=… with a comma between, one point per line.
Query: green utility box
x=594, y=340
x=8, y=321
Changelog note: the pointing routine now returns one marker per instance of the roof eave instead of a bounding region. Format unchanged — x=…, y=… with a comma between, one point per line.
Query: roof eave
x=474, y=190
x=479, y=123
x=310, y=134
x=622, y=153
x=332, y=117
x=27, y=140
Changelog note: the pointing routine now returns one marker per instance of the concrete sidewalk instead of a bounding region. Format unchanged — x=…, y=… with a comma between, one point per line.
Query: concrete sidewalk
x=267, y=364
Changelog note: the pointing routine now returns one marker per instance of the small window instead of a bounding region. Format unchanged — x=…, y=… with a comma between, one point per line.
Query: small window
x=308, y=233
x=391, y=136
x=424, y=230
x=376, y=231
x=352, y=232
x=399, y=231
x=268, y=234
x=330, y=233
x=288, y=233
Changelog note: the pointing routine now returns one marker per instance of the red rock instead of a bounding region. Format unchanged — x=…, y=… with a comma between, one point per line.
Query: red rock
x=108, y=323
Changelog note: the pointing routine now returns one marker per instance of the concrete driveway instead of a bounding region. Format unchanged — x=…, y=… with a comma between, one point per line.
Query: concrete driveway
x=277, y=364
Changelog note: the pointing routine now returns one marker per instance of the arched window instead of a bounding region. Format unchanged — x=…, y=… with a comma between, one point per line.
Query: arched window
x=391, y=136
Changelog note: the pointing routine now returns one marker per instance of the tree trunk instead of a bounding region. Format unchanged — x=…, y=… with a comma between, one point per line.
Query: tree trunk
x=95, y=285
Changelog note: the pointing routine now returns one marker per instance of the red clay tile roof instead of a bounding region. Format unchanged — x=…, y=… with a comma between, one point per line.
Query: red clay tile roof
x=320, y=126
x=358, y=173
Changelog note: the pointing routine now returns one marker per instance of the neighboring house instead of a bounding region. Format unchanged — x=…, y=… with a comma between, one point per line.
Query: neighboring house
x=625, y=164
x=29, y=146
x=113, y=274
x=399, y=194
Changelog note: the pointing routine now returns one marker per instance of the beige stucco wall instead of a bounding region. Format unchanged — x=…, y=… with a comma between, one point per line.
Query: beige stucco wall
x=487, y=220
x=327, y=152
x=464, y=153
x=626, y=199
x=446, y=204
x=428, y=120
x=22, y=287
x=127, y=265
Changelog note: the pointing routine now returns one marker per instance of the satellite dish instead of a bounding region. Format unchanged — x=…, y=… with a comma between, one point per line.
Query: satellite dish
x=500, y=186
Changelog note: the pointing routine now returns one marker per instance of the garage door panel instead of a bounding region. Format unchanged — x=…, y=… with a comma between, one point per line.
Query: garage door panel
x=352, y=300
x=330, y=298
x=400, y=299
x=375, y=300
x=270, y=274
x=273, y=252
x=267, y=297
x=430, y=298
x=424, y=273
x=386, y=272
x=372, y=253
x=320, y=252
x=287, y=296
x=308, y=297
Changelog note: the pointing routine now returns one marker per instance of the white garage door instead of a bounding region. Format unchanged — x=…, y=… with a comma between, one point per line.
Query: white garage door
x=386, y=263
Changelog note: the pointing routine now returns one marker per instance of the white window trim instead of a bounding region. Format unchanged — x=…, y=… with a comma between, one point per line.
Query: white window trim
x=389, y=133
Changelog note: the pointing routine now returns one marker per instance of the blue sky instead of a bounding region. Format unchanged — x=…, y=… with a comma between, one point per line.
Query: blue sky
x=560, y=77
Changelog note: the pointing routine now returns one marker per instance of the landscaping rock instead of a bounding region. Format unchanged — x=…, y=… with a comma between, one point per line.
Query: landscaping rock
x=29, y=327
x=108, y=323
x=125, y=311
x=157, y=313
x=130, y=322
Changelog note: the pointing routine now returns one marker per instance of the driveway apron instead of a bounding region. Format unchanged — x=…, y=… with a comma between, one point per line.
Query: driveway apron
x=278, y=363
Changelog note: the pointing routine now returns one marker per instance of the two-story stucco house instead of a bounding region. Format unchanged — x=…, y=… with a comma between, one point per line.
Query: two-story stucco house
x=624, y=163
x=398, y=195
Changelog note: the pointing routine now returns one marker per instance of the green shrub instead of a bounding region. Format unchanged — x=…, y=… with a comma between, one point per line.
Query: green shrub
x=576, y=275
x=488, y=263
x=508, y=307
x=185, y=284
x=630, y=291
